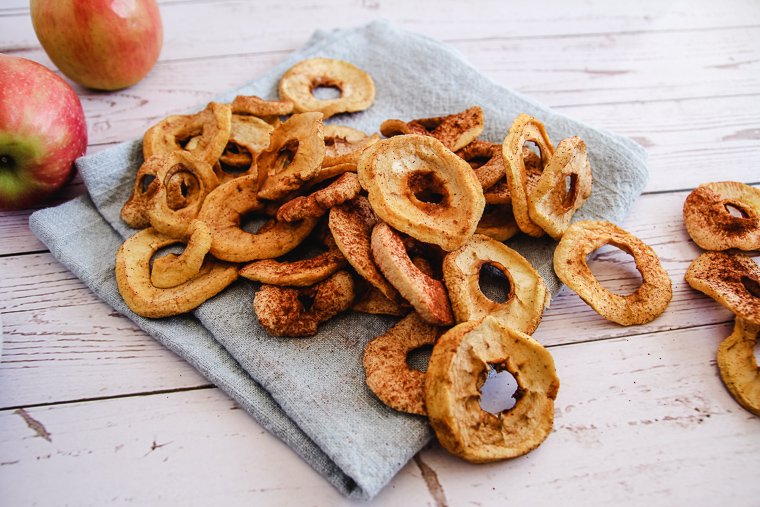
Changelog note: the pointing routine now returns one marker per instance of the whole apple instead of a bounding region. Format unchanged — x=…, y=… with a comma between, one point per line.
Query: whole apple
x=42, y=132
x=100, y=44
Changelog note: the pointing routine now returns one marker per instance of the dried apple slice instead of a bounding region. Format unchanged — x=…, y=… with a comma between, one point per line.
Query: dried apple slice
x=458, y=368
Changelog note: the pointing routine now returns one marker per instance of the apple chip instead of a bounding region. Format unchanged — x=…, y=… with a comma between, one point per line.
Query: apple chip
x=455, y=131
x=294, y=156
x=133, y=278
x=458, y=368
x=427, y=295
x=738, y=366
x=710, y=223
x=732, y=280
x=282, y=312
x=562, y=188
x=223, y=211
x=527, y=294
x=388, y=375
x=351, y=225
x=644, y=305
x=209, y=128
x=357, y=90
x=172, y=269
x=421, y=188
x=524, y=129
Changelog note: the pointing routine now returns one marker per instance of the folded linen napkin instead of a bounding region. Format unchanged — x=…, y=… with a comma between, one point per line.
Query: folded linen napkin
x=311, y=392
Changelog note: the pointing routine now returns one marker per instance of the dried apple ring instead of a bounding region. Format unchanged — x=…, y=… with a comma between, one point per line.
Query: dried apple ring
x=184, y=166
x=343, y=145
x=318, y=203
x=223, y=211
x=427, y=295
x=528, y=296
x=710, y=223
x=455, y=131
x=374, y=302
x=421, y=188
x=738, y=366
x=172, y=269
x=301, y=273
x=524, y=129
x=498, y=194
x=135, y=210
x=281, y=310
x=458, y=368
x=357, y=90
x=388, y=375
x=133, y=278
x=294, y=156
x=351, y=225
x=486, y=160
x=731, y=280
x=249, y=136
x=497, y=222
x=552, y=204
x=209, y=130
x=644, y=305
x=256, y=106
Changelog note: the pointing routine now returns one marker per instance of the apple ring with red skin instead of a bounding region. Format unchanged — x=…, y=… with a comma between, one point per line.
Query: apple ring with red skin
x=281, y=310
x=524, y=129
x=387, y=373
x=422, y=189
x=351, y=224
x=528, y=296
x=223, y=211
x=210, y=129
x=294, y=156
x=133, y=278
x=357, y=90
x=427, y=295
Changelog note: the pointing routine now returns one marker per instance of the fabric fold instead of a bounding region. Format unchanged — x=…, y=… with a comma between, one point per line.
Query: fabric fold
x=311, y=392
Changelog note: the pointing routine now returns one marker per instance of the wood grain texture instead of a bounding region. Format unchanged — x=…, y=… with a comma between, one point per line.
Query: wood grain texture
x=94, y=411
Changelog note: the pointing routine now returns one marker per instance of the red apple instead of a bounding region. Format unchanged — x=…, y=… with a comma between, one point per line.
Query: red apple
x=100, y=44
x=42, y=132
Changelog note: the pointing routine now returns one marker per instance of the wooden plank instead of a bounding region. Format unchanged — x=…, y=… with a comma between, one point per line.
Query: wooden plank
x=635, y=418
x=644, y=420
x=273, y=26
x=186, y=448
x=55, y=327
x=99, y=353
x=14, y=225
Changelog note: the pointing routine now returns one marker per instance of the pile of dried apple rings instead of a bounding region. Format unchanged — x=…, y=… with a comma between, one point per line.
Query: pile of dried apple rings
x=399, y=222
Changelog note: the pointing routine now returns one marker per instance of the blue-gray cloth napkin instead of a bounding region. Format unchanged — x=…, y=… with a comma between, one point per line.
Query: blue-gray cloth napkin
x=311, y=392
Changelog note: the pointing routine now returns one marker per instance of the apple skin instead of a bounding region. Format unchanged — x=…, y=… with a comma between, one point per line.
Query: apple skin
x=42, y=132
x=100, y=44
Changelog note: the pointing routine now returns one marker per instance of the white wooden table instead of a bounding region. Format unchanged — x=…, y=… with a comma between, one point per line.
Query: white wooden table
x=93, y=411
